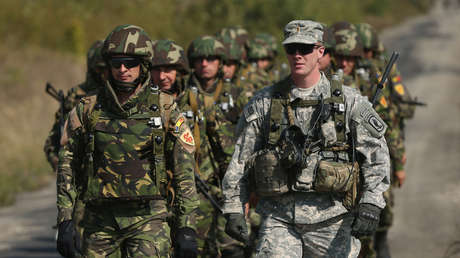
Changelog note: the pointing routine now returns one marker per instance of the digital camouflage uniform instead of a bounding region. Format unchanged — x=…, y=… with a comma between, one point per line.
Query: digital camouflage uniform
x=214, y=142
x=299, y=220
x=94, y=62
x=116, y=157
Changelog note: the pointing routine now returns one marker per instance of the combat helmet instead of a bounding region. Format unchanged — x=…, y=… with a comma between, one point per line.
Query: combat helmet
x=94, y=58
x=168, y=53
x=348, y=43
x=258, y=50
x=129, y=40
x=270, y=41
x=205, y=46
x=239, y=35
x=368, y=36
x=328, y=38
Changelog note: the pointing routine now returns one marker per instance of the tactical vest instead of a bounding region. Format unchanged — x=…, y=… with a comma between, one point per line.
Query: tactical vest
x=125, y=155
x=336, y=171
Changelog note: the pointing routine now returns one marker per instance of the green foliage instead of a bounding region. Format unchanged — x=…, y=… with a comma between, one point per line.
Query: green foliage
x=72, y=25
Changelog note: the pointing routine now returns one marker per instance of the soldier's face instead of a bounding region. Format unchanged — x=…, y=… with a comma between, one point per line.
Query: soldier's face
x=229, y=69
x=164, y=76
x=303, y=58
x=206, y=67
x=263, y=63
x=346, y=63
x=125, y=69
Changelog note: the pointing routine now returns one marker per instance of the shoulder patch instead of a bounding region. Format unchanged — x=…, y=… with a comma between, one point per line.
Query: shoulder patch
x=383, y=102
x=186, y=137
x=178, y=124
x=399, y=88
x=365, y=115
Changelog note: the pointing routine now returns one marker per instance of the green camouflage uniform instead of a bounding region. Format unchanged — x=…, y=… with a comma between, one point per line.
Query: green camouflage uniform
x=241, y=37
x=169, y=53
x=93, y=79
x=214, y=141
x=116, y=156
x=390, y=111
x=329, y=44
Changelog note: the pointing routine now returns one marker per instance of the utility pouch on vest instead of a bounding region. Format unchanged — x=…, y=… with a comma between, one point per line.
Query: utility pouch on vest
x=267, y=174
x=338, y=177
x=305, y=178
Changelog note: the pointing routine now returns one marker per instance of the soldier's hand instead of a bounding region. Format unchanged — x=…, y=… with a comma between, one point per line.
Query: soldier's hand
x=237, y=228
x=186, y=245
x=65, y=239
x=366, y=221
x=400, y=177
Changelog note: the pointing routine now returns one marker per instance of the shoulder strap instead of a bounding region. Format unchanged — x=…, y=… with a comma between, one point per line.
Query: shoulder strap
x=337, y=101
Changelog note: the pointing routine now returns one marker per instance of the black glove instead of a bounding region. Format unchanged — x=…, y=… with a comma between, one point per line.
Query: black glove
x=65, y=239
x=186, y=245
x=236, y=227
x=367, y=220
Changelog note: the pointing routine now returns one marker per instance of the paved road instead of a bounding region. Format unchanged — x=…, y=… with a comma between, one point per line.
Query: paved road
x=26, y=228
x=427, y=207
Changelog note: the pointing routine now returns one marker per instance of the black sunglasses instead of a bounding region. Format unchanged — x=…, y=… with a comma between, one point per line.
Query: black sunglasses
x=303, y=49
x=128, y=62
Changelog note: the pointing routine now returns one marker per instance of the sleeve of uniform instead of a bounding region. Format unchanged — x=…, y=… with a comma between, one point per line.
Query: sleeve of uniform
x=235, y=184
x=52, y=144
x=186, y=200
x=375, y=166
x=66, y=192
x=396, y=147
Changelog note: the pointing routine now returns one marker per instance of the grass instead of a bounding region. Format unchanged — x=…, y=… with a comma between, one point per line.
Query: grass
x=28, y=114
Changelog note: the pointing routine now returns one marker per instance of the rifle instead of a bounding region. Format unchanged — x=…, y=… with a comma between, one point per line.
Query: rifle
x=390, y=64
x=204, y=190
x=59, y=96
x=414, y=102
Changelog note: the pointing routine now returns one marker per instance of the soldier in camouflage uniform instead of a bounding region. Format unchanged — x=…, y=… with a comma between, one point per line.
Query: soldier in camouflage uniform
x=395, y=92
x=206, y=102
x=116, y=148
x=326, y=62
x=347, y=53
x=241, y=37
x=169, y=67
x=95, y=66
x=262, y=53
x=302, y=164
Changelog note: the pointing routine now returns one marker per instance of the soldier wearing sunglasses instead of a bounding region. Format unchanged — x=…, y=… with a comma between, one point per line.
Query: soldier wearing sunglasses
x=313, y=151
x=122, y=149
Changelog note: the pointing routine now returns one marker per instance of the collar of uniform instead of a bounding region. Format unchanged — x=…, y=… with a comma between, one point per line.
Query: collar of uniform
x=322, y=87
x=197, y=84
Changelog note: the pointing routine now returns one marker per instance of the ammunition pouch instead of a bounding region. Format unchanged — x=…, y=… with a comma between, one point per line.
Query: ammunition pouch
x=267, y=174
x=306, y=174
x=340, y=178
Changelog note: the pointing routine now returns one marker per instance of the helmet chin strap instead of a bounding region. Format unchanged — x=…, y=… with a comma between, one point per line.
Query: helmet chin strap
x=124, y=86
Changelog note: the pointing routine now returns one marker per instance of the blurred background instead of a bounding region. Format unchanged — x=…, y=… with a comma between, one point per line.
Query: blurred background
x=46, y=41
